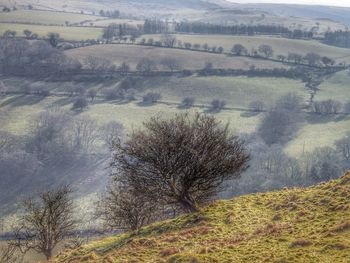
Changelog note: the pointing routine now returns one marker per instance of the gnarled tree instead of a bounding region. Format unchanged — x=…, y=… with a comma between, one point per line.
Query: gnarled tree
x=181, y=161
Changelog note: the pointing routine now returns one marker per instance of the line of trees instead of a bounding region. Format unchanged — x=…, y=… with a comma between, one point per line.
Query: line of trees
x=157, y=26
x=39, y=58
x=110, y=13
x=338, y=38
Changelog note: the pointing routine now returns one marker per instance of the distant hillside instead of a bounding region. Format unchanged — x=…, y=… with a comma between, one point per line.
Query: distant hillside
x=338, y=14
x=293, y=225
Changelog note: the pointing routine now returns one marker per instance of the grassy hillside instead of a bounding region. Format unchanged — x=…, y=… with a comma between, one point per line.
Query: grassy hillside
x=258, y=17
x=67, y=33
x=132, y=54
x=281, y=46
x=293, y=225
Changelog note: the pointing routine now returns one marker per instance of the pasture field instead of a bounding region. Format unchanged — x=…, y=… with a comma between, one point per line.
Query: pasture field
x=67, y=33
x=131, y=115
x=44, y=17
x=281, y=46
x=106, y=22
x=320, y=131
x=336, y=87
x=238, y=92
x=17, y=111
x=132, y=54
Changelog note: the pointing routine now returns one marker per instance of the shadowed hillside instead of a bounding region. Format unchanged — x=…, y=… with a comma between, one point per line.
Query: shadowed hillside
x=293, y=225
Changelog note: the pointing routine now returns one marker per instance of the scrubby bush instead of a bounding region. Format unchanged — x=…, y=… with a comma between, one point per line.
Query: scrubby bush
x=257, y=106
x=114, y=94
x=195, y=154
x=239, y=50
x=188, y=102
x=80, y=103
x=218, y=105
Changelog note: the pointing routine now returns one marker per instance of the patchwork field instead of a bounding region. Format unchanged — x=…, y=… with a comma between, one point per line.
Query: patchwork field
x=67, y=33
x=281, y=46
x=132, y=54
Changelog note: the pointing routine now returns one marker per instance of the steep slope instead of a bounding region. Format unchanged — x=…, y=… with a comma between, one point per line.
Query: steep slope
x=293, y=225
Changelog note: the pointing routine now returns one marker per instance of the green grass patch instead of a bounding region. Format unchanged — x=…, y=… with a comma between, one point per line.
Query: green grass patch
x=309, y=228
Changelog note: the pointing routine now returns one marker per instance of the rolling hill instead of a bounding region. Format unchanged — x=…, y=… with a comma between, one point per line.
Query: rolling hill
x=292, y=225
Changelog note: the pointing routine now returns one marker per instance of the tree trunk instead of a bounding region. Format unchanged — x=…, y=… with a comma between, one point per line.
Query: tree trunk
x=48, y=254
x=188, y=205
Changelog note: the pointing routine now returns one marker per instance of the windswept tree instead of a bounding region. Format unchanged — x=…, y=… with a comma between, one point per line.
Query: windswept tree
x=181, y=161
x=46, y=221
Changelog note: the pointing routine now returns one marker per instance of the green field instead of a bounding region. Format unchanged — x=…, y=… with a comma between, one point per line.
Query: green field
x=336, y=87
x=293, y=225
x=319, y=132
x=67, y=33
x=45, y=17
x=281, y=46
x=131, y=115
x=132, y=54
x=237, y=91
